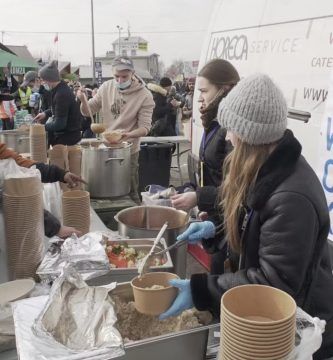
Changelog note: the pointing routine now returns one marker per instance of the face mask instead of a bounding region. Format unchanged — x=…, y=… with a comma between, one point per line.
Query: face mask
x=124, y=85
x=47, y=87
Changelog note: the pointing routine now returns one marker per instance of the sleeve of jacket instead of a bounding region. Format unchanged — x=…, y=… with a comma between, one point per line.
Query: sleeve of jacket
x=51, y=173
x=287, y=237
x=51, y=224
x=61, y=112
x=146, y=111
x=95, y=103
x=207, y=198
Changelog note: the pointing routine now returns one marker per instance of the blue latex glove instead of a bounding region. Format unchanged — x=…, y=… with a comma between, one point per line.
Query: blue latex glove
x=183, y=300
x=198, y=231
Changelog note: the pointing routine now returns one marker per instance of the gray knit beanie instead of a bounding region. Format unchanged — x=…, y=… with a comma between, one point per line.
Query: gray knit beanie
x=49, y=72
x=255, y=110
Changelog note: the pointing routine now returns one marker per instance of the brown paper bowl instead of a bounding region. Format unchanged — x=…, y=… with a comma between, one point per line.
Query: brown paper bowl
x=37, y=129
x=25, y=187
x=97, y=128
x=255, y=301
x=153, y=301
x=113, y=137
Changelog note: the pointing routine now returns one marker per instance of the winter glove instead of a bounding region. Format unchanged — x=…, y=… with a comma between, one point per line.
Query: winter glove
x=183, y=300
x=198, y=231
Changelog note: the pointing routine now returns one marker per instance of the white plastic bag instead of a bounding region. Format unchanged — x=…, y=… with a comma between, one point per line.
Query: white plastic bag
x=9, y=169
x=52, y=199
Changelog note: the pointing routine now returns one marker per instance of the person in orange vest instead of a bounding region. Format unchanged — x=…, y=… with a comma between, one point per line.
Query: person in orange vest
x=7, y=109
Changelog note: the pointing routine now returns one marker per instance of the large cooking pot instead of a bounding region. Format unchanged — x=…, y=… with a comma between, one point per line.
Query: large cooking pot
x=141, y=222
x=107, y=170
x=16, y=139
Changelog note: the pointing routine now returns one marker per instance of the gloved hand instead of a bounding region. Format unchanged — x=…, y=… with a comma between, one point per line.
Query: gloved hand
x=183, y=300
x=198, y=231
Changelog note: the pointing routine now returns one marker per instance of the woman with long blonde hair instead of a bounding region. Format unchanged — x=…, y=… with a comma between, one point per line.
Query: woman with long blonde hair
x=274, y=215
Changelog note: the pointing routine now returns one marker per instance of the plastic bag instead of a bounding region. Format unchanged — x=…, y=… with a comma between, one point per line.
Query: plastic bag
x=158, y=195
x=308, y=336
x=7, y=332
x=9, y=169
x=52, y=199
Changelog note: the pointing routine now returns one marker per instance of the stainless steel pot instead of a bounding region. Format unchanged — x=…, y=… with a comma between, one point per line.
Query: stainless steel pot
x=107, y=170
x=16, y=139
x=145, y=222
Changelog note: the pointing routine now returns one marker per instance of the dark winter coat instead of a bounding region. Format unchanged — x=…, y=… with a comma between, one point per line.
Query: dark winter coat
x=50, y=173
x=285, y=240
x=163, y=122
x=65, y=123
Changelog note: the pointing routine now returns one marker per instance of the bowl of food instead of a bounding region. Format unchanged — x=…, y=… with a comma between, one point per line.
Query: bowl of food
x=113, y=136
x=152, y=292
x=97, y=128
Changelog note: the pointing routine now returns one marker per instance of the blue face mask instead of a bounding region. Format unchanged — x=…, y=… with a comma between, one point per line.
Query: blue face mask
x=124, y=85
x=47, y=87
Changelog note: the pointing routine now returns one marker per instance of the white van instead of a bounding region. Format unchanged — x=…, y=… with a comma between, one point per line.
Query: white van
x=292, y=41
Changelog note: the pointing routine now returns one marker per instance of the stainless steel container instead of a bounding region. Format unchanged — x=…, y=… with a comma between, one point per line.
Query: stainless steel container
x=107, y=170
x=16, y=139
x=187, y=344
x=146, y=221
x=127, y=274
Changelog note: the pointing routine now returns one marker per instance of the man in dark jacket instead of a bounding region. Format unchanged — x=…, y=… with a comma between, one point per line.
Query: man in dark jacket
x=63, y=118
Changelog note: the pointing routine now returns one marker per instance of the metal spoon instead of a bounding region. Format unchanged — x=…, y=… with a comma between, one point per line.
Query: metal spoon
x=144, y=264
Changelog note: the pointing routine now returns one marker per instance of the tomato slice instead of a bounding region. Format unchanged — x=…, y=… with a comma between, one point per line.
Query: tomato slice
x=117, y=260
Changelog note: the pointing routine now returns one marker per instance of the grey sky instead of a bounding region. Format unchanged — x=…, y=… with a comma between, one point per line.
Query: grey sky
x=149, y=18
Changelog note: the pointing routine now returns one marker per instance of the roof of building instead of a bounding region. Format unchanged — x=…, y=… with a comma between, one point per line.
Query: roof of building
x=134, y=39
x=21, y=51
x=86, y=72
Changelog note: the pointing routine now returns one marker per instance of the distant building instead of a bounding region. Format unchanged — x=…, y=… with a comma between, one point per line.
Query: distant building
x=129, y=46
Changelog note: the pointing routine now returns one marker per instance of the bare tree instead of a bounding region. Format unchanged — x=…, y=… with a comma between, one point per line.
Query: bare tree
x=175, y=69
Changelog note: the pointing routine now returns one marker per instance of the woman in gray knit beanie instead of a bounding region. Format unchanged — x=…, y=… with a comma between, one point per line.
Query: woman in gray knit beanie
x=274, y=216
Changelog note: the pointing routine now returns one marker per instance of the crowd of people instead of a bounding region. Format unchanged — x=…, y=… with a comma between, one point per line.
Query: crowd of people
x=264, y=214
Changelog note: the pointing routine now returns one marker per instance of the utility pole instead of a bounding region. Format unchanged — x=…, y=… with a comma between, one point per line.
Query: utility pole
x=93, y=41
x=119, y=33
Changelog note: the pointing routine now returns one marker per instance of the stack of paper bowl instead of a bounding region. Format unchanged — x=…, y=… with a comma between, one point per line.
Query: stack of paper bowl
x=24, y=225
x=38, y=143
x=257, y=322
x=76, y=210
x=58, y=156
x=74, y=160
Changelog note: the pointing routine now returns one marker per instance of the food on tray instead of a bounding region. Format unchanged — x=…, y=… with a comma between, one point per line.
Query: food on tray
x=155, y=287
x=124, y=256
x=113, y=136
x=135, y=326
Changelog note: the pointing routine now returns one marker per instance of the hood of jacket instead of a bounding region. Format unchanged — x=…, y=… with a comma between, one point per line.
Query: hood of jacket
x=157, y=89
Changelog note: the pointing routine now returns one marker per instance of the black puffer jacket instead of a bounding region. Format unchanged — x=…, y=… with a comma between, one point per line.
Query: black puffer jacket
x=65, y=124
x=285, y=240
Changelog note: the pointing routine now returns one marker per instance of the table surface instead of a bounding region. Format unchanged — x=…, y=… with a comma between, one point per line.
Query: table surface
x=176, y=139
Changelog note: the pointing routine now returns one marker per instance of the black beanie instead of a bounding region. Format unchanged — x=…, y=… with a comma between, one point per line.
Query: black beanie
x=165, y=82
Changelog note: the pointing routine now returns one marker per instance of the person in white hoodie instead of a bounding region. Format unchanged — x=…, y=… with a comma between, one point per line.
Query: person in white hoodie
x=124, y=104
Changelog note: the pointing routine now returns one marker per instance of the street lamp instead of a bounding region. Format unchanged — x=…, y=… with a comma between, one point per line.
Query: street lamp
x=93, y=40
x=119, y=32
